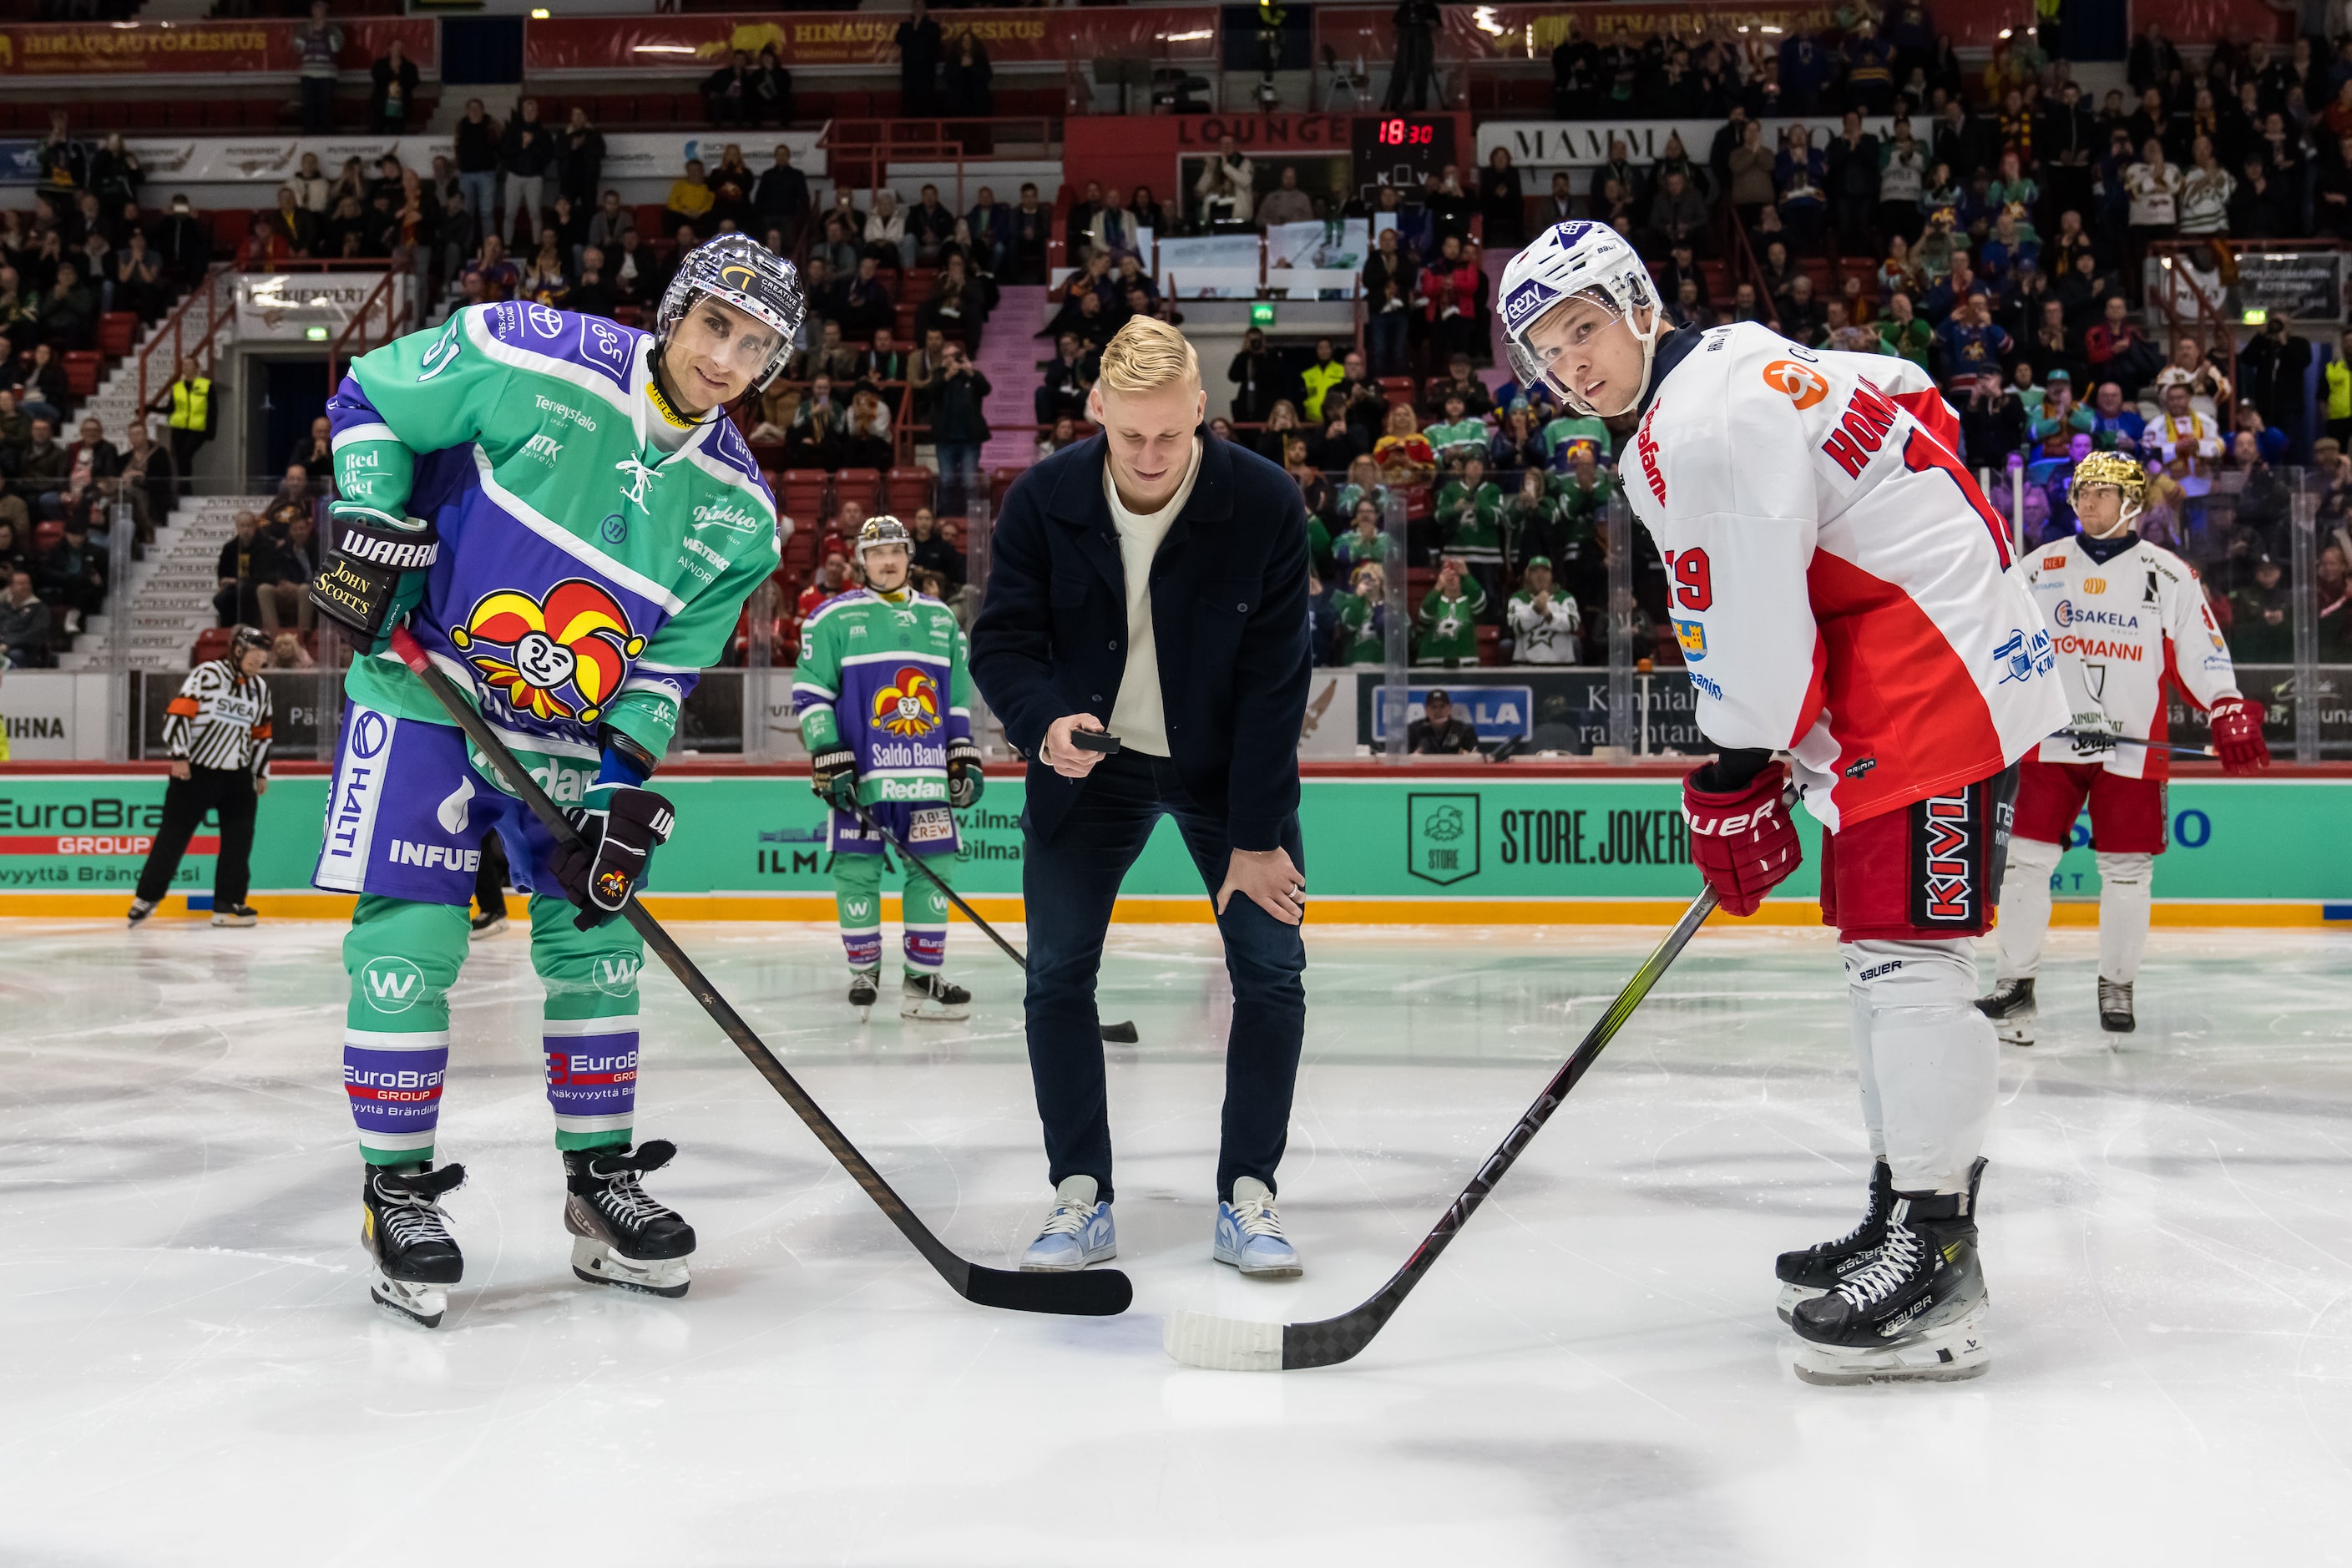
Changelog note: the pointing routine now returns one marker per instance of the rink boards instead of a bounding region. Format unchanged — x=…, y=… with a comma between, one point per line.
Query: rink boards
x=1463, y=849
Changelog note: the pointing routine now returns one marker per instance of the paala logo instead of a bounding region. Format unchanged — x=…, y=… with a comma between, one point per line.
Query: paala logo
x=1527, y=299
x=393, y=984
x=1800, y=386
x=727, y=515
x=543, y=447
x=616, y=973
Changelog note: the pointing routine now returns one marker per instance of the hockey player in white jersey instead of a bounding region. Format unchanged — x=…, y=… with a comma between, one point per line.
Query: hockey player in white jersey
x=1840, y=588
x=2124, y=616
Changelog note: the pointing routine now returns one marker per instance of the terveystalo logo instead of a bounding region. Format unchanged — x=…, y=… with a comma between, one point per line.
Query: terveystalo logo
x=1441, y=836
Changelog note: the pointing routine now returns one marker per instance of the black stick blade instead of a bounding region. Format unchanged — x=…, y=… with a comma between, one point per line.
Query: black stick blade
x=1080, y=1293
x=1120, y=1034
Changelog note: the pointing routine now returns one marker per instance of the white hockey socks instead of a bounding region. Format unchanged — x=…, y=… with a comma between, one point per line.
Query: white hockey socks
x=2025, y=907
x=2127, y=887
x=1929, y=1063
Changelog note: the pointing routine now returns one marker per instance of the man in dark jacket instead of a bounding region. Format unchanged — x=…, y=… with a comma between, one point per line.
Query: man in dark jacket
x=1256, y=380
x=477, y=139
x=918, y=62
x=2270, y=371
x=1438, y=731
x=1152, y=582
x=525, y=155
x=781, y=197
x=959, y=427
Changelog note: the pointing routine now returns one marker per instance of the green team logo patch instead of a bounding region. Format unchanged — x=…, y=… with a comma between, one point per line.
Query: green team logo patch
x=392, y=985
x=616, y=973
x=1441, y=836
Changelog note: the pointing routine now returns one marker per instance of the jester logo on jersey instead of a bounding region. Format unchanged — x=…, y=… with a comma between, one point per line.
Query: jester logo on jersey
x=909, y=705
x=562, y=658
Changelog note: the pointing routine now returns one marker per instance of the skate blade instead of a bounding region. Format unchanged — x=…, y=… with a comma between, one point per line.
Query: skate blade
x=2014, y=1034
x=1792, y=1294
x=598, y=1263
x=863, y=1014
x=418, y=1303
x=932, y=1012
x=1951, y=1353
x=236, y=920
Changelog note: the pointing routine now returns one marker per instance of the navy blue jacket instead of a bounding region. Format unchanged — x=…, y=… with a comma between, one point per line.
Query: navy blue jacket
x=1228, y=620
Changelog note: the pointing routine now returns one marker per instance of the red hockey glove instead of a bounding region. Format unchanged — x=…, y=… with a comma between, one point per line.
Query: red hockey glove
x=1742, y=839
x=2238, y=735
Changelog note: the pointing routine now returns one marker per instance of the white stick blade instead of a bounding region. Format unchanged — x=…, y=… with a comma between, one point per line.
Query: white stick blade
x=1224, y=1344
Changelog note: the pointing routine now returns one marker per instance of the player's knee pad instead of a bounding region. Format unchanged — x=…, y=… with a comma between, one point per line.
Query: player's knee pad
x=402, y=957
x=2031, y=858
x=586, y=974
x=1934, y=1061
x=2126, y=873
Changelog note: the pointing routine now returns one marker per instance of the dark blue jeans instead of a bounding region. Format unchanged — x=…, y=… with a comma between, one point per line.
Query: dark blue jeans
x=1069, y=883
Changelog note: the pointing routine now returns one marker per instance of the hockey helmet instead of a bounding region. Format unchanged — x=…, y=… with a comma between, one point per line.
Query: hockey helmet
x=2110, y=468
x=747, y=275
x=1577, y=259
x=244, y=640
x=881, y=531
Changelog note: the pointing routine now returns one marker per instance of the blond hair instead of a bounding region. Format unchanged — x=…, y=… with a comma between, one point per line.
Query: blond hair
x=1146, y=354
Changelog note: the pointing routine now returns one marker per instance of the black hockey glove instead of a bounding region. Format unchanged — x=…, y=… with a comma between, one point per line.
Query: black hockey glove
x=364, y=569
x=833, y=775
x=620, y=827
x=965, y=782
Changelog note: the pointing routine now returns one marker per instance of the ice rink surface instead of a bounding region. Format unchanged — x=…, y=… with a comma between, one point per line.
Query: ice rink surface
x=1595, y=1374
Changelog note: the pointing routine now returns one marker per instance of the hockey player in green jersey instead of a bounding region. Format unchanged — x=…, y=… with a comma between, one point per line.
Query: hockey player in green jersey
x=883, y=695
x=561, y=510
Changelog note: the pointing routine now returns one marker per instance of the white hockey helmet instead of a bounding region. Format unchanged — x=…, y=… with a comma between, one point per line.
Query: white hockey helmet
x=744, y=273
x=1568, y=261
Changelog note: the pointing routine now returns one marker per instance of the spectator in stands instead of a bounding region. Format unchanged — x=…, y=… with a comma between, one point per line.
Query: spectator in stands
x=319, y=42
x=1253, y=377
x=814, y=441
x=1227, y=187
x=2118, y=350
x=1286, y=203
x=828, y=357
x=1678, y=216
x=1148, y=213
x=781, y=196
x=1065, y=434
x=885, y=233
x=544, y=282
x=1457, y=437
x=2270, y=369
x=1321, y=374
x=607, y=222
x=929, y=226
x=146, y=477
x=1544, y=623
x=489, y=276
x=71, y=575
x=137, y=285
x=526, y=153
x=392, y=92
x=866, y=429
x=934, y=550
x=918, y=41
x=1455, y=287
x=1403, y=452
x=731, y=184
x=959, y=429
x=1282, y=427
x=1070, y=375
x=864, y=304
x=727, y=92
x=1389, y=281
x=291, y=228
x=1030, y=229
x=87, y=459
x=629, y=269
x=182, y=243
x=964, y=81
x=885, y=363
x=771, y=103
x=477, y=143
x=579, y=160
x=924, y=370
x=1112, y=231
x=832, y=580
x=1461, y=381
x=2114, y=424
x=1992, y=420
x=24, y=624
x=690, y=199
x=190, y=414
x=41, y=469
x=42, y=393
x=248, y=561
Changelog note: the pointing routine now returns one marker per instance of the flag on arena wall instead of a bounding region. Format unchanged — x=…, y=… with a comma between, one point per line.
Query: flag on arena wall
x=183, y=48
x=701, y=42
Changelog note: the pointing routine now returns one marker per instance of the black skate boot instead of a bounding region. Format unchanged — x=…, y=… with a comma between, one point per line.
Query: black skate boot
x=931, y=996
x=2116, y=1007
x=236, y=915
x=1913, y=1312
x=1822, y=1269
x=402, y=1227
x=864, y=988
x=140, y=909
x=621, y=1237
x=2011, y=1008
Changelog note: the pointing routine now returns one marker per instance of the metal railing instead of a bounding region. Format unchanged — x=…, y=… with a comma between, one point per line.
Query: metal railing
x=190, y=331
x=400, y=306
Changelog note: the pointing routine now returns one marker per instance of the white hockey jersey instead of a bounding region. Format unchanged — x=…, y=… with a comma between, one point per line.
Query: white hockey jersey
x=1839, y=585
x=2119, y=627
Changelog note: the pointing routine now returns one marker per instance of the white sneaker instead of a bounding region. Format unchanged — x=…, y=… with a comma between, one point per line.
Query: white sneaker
x=1249, y=1234
x=1078, y=1231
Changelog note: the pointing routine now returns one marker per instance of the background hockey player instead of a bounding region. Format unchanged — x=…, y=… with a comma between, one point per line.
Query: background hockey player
x=561, y=510
x=217, y=730
x=1838, y=587
x=884, y=693
x=2124, y=615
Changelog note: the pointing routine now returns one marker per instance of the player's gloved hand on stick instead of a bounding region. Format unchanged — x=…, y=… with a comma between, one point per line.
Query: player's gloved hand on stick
x=964, y=779
x=620, y=827
x=374, y=556
x=2238, y=735
x=1741, y=837
x=833, y=775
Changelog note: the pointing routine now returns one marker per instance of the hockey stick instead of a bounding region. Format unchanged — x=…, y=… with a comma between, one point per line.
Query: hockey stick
x=1235, y=1345
x=1118, y=1034
x=2103, y=741
x=1094, y=1292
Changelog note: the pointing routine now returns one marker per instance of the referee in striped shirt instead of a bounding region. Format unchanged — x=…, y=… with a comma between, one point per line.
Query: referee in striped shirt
x=218, y=731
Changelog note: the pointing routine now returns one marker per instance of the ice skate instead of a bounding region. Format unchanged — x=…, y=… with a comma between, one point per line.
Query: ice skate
x=1823, y=1267
x=484, y=925
x=140, y=909
x=1915, y=1312
x=2116, y=1007
x=1078, y=1231
x=620, y=1236
x=931, y=996
x=402, y=1226
x=2012, y=1009
x=864, y=988
x=1249, y=1235
x=236, y=915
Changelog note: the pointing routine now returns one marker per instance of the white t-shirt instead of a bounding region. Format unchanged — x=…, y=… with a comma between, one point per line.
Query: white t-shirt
x=1137, y=718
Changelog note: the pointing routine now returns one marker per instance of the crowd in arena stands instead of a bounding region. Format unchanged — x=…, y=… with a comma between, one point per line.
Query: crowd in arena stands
x=271, y=554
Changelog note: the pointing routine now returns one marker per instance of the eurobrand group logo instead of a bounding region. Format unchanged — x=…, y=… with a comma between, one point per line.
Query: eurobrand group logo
x=1441, y=841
